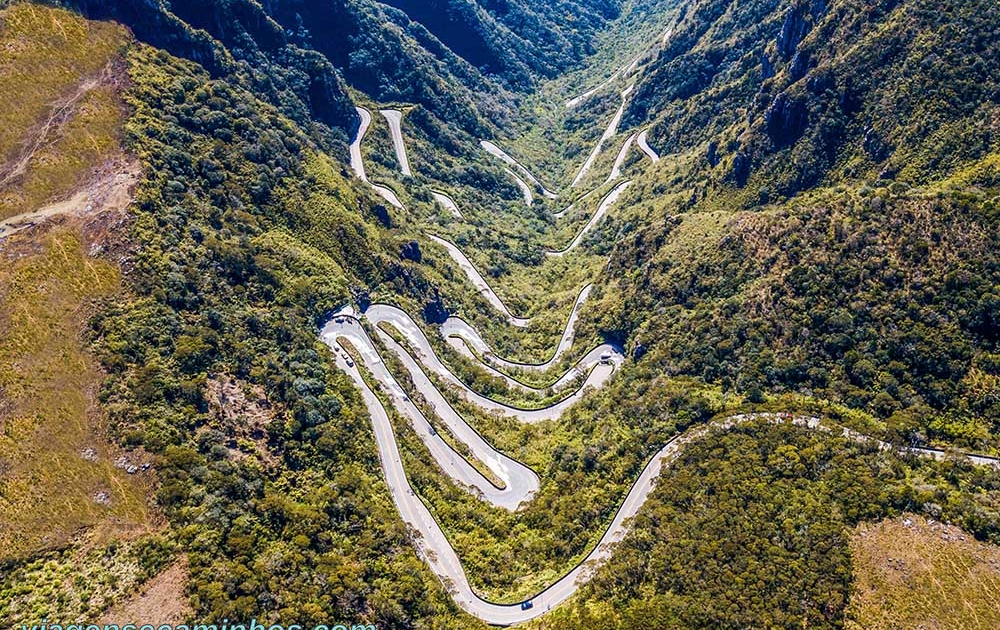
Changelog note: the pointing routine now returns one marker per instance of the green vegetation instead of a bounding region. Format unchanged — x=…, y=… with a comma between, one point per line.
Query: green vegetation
x=516, y=40
x=249, y=236
x=59, y=473
x=873, y=301
x=82, y=581
x=826, y=218
x=821, y=239
x=750, y=529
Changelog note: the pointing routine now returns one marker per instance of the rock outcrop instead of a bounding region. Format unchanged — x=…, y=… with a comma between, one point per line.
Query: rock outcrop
x=786, y=119
x=793, y=31
x=411, y=251
x=435, y=311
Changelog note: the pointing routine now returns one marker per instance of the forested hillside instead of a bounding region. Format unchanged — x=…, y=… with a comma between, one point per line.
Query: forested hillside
x=837, y=164
x=787, y=299
x=786, y=97
x=458, y=58
x=241, y=236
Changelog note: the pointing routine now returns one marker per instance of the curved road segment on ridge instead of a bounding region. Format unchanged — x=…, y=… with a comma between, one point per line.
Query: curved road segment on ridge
x=643, y=143
x=624, y=70
x=395, y=119
x=477, y=280
x=358, y=163
x=607, y=135
x=462, y=336
x=606, y=203
x=529, y=197
x=496, y=151
x=448, y=203
x=616, y=169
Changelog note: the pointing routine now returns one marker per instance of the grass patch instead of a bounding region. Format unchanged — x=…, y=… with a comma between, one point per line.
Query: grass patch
x=910, y=572
x=58, y=475
x=60, y=117
x=82, y=581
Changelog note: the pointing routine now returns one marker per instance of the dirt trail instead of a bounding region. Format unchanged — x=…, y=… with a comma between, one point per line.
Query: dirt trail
x=59, y=115
x=111, y=189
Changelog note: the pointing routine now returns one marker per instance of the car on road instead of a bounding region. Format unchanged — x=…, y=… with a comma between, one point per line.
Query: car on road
x=527, y=605
x=605, y=358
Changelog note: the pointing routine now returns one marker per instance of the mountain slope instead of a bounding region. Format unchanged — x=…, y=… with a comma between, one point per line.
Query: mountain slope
x=773, y=272
x=831, y=221
x=458, y=61
x=788, y=95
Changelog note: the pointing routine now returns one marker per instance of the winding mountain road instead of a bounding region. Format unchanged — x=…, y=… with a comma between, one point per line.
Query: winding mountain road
x=358, y=163
x=478, y=281
x=606, y=203
x=643, y=142
x=448, y=203
x=398, y=319
x=609, y=132
x=496, y=151
x=395, y=119
x=622, y=71
x=513, y=483
x=520, y=483
x=616, y=168
x=435, y=548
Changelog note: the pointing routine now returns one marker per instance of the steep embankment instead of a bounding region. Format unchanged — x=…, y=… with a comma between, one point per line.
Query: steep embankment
x=61, y=156
x=68, y=488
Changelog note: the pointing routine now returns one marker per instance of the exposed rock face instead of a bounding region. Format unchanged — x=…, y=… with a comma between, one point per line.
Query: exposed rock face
x=875, y=146
x=382, y=215
x=411, y=251
x=786, y=119
x=799, y=66
x=712, y=155
x=740, y=171
x=820, y=82
x=435, y=311
x=766, y=67
x=362, y=297
x=793, y=31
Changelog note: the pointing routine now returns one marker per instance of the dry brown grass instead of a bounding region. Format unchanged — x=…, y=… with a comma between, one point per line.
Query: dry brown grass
x=910, y=572
x=58, y=472
x=161, y=600
x=61, y=116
